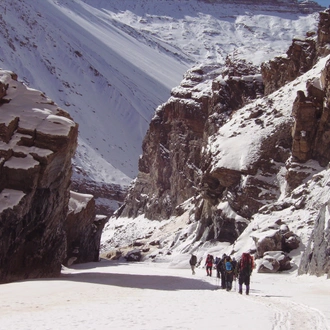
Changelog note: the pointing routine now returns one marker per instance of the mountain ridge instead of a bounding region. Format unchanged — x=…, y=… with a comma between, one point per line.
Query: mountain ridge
x=111, y=65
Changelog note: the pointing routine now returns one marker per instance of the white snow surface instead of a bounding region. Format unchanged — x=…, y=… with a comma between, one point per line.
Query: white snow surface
x=143, y=296
x=111, y=63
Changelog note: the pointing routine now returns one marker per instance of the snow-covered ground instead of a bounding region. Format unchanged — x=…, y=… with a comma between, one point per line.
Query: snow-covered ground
x=115, y=295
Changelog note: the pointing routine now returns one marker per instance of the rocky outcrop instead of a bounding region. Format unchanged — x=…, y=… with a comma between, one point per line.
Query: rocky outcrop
x=108, y=197
x=321, y=147
x=200, y=149
x=38, y=140
x=316, y=258
x=37, y=143
x=300, y=57
x=83, y=229
x=274, y=261
x=311, y=128
x=323, y=33
x=305, y=127
x=173, y=167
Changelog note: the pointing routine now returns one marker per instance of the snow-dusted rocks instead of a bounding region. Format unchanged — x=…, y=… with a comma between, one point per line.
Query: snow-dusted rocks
x=37, y=143
x=300, y=57
x=274, y=261
x=134, y=255
x=324, y=33
x=316, y=259
x=83, y=229
x=226, y=150
x=284, y=68
x=38, y=140
x=274, y=237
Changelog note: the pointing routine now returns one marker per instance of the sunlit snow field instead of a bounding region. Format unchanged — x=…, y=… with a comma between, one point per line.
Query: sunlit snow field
x=115, y=295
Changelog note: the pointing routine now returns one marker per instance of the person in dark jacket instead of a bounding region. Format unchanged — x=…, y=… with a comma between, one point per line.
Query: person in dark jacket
x=245, y=267
x=193, y=262
x=216, y=262
x=221, y=270
x=235, y=266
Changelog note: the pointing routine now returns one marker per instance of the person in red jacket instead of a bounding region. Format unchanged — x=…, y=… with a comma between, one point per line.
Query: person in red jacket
x=209, y=264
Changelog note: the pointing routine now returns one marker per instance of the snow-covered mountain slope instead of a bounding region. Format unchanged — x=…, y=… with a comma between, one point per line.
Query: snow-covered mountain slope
x=299, y=210
x=111, y=63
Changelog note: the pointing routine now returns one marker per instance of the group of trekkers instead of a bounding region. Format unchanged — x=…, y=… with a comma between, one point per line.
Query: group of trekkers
x=228, y=269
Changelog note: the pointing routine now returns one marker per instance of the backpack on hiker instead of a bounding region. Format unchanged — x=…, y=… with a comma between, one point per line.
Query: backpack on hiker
x=193, y=260
x=246, y=263
x=209, y=260
x=229, y=266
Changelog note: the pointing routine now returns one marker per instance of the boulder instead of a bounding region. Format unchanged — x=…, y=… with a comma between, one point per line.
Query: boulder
x=37, y=143
x=274, y=261
x=277, y=237
x=83, y=229
x=134, y=255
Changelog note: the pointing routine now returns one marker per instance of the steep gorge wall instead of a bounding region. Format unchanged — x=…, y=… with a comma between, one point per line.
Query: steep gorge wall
x=175, y=167
x=316, y=258
x=180, y=150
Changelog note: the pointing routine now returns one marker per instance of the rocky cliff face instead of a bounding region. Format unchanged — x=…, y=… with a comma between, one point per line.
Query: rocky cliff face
x=316, y=258
x=83, y=229
x=300, y=57
x=198, y=149
x=177, y=163
x=37, y=143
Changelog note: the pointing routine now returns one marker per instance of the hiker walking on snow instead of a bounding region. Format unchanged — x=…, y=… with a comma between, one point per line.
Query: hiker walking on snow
x=209, y=264
x=193, y=262
x=245, y=267
x=216, y=266
x=221, y=269
x=229, y=273
x=235, y=271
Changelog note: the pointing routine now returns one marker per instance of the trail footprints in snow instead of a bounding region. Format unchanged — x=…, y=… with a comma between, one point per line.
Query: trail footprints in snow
x=289, y=315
